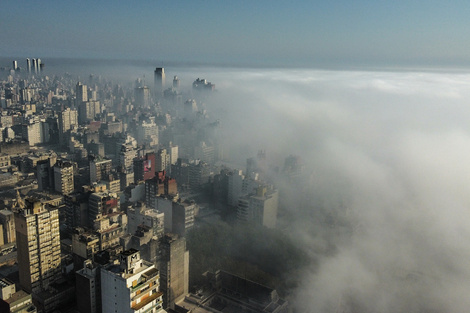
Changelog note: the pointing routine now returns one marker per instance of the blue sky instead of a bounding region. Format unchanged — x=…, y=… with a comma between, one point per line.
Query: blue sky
x=240, y=32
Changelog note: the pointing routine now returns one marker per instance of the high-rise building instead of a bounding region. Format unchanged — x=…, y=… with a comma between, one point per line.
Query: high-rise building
x=43, y=174
x=101, y=203
x=63, y=177
x=163, y=160
x=7, y=221
x=176, y=82
x=38, y=244
x=15, y=65
x=159, y=185
x=87, y=111
x=159, y=81
x=76, y=209
x=142, y=96
x=81, y=93
x=139, y=214
x=35, y=65
x=174, y=269
x=144, y=167
x=67, y=120
x=88, y=283
x=99, y=169
x=147, y=133
x=28, y=65
x=259, y=208
x=132, y=286
x=182, y=216
x=234, y=190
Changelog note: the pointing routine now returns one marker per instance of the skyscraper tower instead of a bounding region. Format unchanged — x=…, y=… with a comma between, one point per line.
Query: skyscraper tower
x=28, y=65
x=38, y=242
x=35, y=65
x=176, y=82
x=15, y=65
x=159, y=81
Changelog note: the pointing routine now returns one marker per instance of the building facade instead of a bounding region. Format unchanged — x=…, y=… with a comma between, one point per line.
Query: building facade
x=131, y=286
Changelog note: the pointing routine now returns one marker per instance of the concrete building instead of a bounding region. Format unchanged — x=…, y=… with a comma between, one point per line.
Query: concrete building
x=226, y=292
x=101, y=203
x=99, y=169
x=81, y=93
x=63, y=177
x=88, y=281
x=87, y=111
x=159, y=82
x=259, y=208
x=84, y=246
x=67, y=120
x=142, y=96
x=7, y=288
x=7, y=220
x=19, y=302
x=132, y=286
x=38, y=244
x=159, y=185
x=235, y=183
x=139, y=214
x=144, y=167
x=201, y=85
x=183, y=216
x=147, y=133
x=174, y=269
x=163, y=160
x=76, y=209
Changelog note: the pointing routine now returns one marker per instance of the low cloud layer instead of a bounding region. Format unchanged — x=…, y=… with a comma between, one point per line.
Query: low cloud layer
x=388, y=154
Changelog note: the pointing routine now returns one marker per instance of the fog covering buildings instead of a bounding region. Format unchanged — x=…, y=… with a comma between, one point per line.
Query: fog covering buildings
x=369, y=168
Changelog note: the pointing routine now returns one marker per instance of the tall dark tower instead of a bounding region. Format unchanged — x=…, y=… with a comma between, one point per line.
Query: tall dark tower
x=159, y=82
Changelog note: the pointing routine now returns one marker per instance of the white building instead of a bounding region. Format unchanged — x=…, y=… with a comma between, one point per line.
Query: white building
x=259, y=208
x=147, y=132
x=132, y=286
x=140, y=214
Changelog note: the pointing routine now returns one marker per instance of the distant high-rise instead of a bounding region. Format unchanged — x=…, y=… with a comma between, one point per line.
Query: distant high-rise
x=15, y=65
x=142, y=96
x=67, y=120
x=163, y=161
x=159, y=81
x=176, y=82
x=38, y=242
x=81, y=93
x=28, y=65
x=35, y=65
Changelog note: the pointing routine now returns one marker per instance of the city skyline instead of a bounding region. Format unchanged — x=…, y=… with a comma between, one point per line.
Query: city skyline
x=243, y=33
